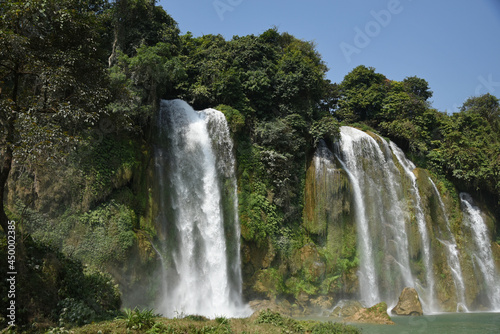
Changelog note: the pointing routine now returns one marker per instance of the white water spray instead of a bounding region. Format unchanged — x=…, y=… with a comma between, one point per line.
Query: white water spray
x=195, y=169
x=409, y=167
x=453, y=257
x=483, y=255
x=380, y=216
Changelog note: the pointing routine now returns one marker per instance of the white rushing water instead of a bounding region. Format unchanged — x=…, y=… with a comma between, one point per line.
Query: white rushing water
x=380, y=215
x=409, y=167
x=452, y=257
x=368, y=284
x=198, y=212
x=483, y=255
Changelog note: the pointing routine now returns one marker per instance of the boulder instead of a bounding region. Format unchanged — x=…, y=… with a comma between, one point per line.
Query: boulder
x=376, y=314
x=346, y=308
x=408, y=303
x=322, y=303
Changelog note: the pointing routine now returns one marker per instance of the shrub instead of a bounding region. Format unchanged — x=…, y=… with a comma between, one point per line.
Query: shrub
x=139, y=319
x=334, y=328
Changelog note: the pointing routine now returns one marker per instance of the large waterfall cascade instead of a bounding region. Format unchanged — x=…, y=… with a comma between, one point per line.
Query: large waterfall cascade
x=377, y=170
x=409, y=167
x=382, y=237
x=197, y=205
x=198, y=226
x=483, y=256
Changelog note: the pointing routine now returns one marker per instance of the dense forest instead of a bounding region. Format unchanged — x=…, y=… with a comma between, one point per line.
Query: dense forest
x=80, y=81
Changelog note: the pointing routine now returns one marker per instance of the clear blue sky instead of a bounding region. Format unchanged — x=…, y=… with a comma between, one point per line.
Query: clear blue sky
x=453, y=44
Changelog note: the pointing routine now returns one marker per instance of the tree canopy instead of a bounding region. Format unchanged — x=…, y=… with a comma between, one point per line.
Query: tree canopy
x=66, y=63
x=464, y=146
x=53, y=80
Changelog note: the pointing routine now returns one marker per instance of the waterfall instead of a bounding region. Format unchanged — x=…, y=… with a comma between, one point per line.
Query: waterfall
x=452, y=258
x=381, y=216
x=370, y=293
x=409, y=167
x=323, y=160
x=197, y=205
x=483, y=256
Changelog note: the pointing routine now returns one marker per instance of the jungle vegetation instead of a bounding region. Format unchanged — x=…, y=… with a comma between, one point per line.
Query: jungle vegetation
x=80, y=81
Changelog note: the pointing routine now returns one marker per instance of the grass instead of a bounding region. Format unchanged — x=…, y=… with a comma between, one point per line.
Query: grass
x=139, y=319
x=267, y=322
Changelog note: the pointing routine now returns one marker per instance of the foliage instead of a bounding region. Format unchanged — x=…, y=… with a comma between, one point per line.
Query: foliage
x=100, y=237
x=139, y=23
x=106, y=165
x=470, y=149
x=108, y=234
x=53, y=83
x=52, y=79
x=276, y=319
x=272, y=74
x=56, y=288
x=74, y=312
x=361, y=94
x=270, y=317
x=222, y=320
x=81, y=62
x=140, y=81
x=417, y=87
x=327, y=128
x=247, y=325
x=293, y=326
x=139, y=319
x=334, y=328
x=464, y=146
x=195, y=317
x=235, y=119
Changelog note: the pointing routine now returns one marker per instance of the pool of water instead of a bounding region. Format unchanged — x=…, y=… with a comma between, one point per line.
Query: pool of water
x=448, y=323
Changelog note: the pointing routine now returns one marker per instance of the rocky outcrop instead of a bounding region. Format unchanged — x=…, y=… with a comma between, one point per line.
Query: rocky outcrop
x=322, y=303
x=346, y=308
x=283, y=308
x=376, y=314
x=299, y=308
x=408, y=303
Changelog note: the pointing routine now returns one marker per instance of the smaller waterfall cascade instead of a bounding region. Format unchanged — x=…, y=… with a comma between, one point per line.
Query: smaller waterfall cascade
x=453, y=257
x=381, y=215
x=323, y=160
x=370, y=293
x=197, y=206
x=483, y=256
x=409, y=167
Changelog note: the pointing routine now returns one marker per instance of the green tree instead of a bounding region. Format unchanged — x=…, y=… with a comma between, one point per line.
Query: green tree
x=417, y=87
x=469, y=151
x=144, y=63
x=362, y=93
x=52, y=76
x=140, y=22
x=139, y=82
x=487, y=106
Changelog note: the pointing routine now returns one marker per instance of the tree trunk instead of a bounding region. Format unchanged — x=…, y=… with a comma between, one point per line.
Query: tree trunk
x=6, y=163
x=4, y=175
x=112, y=57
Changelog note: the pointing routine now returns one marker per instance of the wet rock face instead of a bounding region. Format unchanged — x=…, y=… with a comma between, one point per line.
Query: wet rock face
x=408, y=303
x=347, y=308
x=283, y=308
